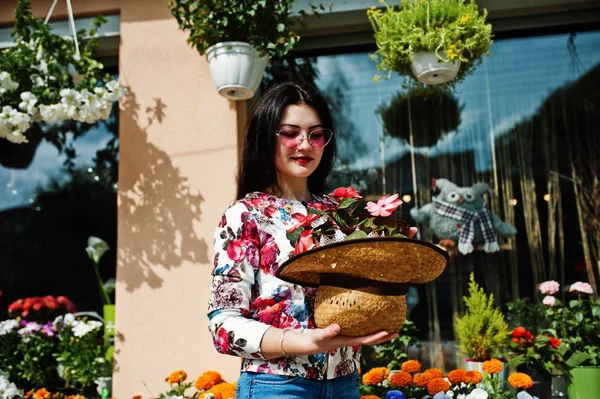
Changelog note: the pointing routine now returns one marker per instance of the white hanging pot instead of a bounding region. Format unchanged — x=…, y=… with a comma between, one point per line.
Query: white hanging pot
x=429, y=70
x=236, y=69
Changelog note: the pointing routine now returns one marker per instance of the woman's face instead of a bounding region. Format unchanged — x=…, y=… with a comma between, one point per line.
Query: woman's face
x=300, y=162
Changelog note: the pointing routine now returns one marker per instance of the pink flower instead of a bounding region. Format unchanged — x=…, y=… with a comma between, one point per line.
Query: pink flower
x=305, y=242
x=581, y=287
x=549, y=300
x=384, y=206
x=345, y=192
x=550, y=287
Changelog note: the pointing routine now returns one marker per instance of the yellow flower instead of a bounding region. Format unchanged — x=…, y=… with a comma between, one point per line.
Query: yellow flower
x=465, y=18
x=376, y=78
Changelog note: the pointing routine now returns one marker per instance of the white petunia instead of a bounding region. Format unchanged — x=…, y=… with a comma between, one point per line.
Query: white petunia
x=28, y=102
x=8, y=326
x=6, y=83
x=16, y=137
x=478, y=393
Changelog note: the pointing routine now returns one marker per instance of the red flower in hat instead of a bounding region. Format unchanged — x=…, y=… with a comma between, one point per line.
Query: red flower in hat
x=345, y=192
x=305, y=242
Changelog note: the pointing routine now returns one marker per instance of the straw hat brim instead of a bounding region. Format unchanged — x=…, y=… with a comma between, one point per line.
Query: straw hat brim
x=378, y=259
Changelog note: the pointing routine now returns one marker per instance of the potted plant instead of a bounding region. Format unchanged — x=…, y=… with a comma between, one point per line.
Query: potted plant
x=481, y=331
x=413, y=111
x=238, y=38
x=436, y=40
x=578, y=322
x=45, y=77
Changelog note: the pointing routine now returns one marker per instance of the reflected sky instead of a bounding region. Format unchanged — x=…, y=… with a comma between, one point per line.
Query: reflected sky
x=18, y=186
x=508, y=87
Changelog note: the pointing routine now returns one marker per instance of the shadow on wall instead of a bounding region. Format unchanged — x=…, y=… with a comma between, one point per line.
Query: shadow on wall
x=157, y=210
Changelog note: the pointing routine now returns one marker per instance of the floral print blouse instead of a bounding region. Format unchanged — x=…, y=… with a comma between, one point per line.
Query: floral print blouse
x=246, y=297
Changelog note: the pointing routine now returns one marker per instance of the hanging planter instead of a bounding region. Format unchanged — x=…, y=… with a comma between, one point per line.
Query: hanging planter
x=428, y=69
x=236, y=69
x=238, y=38
x=48, y=78
x=436, y=42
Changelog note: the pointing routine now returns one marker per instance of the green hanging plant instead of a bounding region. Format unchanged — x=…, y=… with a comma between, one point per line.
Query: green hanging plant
x=453, y=29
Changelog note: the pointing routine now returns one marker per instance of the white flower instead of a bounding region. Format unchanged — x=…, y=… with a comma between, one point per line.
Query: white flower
x=28, y=103
x=582, y=287
x=31, y=327
x=5, y=129
x=16, y=137
x=96, y=248
x=6, y=83
x=549, y=300
x=81, y=328
x=7, y=326
x=8, y=390
x=37, y=81
x=478, y=393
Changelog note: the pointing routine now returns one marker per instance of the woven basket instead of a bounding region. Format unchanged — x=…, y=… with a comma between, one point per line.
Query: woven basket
x=359, y=313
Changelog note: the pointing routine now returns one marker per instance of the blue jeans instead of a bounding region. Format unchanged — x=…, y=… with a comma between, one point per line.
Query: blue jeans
x=274, y=386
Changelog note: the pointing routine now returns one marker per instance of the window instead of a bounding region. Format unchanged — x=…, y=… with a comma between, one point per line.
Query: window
x=527, y=121
x=55, y=192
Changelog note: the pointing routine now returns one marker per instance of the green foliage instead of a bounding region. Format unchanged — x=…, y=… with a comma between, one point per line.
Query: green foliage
x=395, y=352
x=265, y=25
x=578, y=323
x=455, y=28
x=34, y=364
x=81, y=358
x=482, y=330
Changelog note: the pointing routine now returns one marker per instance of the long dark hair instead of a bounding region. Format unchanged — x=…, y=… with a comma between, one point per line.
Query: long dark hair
x=257, y=170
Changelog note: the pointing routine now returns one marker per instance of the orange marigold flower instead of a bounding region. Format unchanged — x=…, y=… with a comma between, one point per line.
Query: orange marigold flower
x=473, y=377
x=436, y=385
x=438, y=373
x=401, y=379
x=223, y=390
x=42, y=393
x=411, y=366
x=421, y=380
x=208, y=380
x=137, y=397
x=520, y=380
x=29, y=394
x=457, y=376
x=493, y=366
x=372, y=378
x=370, y=397
x=176, y=377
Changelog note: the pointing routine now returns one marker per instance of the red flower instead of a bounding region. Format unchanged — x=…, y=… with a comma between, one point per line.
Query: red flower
x=345, y=192
x=518, y=332
x=305, y=242
x=305, y=221
x=554, y=342
x=235, y=250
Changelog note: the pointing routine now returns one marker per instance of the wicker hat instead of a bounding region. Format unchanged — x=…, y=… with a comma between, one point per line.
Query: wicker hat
x=364, y=277
x=377, y=260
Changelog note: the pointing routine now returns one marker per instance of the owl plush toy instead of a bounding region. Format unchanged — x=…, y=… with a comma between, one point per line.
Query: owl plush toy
x=460, y=214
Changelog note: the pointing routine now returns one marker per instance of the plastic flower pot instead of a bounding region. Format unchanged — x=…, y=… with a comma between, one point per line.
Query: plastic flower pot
x=429, y=69
x=236, y=69
x=585, y=383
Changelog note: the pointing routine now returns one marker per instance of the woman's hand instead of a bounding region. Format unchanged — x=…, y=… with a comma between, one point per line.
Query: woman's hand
x=315, y=341
x=325, y=339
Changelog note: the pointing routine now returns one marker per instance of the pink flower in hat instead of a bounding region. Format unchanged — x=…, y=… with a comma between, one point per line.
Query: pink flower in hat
x=384, y=206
